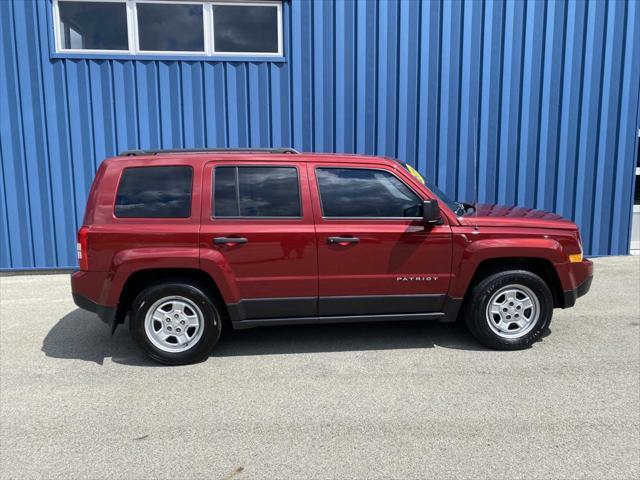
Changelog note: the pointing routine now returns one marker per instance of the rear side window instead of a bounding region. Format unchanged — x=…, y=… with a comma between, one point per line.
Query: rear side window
x=357, y=192
x=154, y=192
x=256, y=192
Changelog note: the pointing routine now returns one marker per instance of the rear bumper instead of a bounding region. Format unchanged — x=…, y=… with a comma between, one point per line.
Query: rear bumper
x=86, y=290
x=106, y=314
x=571, y=296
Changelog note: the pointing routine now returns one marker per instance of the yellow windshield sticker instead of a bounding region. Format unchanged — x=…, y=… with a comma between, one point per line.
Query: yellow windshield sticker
x=415, y=173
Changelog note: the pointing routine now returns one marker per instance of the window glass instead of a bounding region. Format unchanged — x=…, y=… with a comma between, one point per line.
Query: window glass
x=453, y=205
x=170, y=27
x=93, y=25
x=248, y=29
x=174, y=26
x=154, y=192
x=260, y=191
x=355, y=192
x=225, y=198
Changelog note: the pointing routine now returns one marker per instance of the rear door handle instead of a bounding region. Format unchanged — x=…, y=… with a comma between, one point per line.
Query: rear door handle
x=342, y=240
x=229, y=240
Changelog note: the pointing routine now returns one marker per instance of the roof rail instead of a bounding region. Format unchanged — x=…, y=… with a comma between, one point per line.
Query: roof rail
x=134, y=153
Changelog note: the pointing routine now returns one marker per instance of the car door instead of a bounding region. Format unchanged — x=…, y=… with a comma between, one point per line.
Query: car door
x=257, y=230
x=375, y=255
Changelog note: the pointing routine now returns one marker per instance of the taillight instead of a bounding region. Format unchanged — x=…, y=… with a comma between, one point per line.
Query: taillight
x=82, y=248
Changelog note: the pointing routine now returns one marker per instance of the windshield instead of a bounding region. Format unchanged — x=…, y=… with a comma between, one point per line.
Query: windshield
x=459, y=208
x=443, y=196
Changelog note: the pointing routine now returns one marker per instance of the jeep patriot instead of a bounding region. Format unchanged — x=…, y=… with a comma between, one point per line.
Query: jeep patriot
x=184, y=242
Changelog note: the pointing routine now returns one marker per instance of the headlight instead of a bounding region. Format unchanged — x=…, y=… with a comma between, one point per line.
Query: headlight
x=575, y=257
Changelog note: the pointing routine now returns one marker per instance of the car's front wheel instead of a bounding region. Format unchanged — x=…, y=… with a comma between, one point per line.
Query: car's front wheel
x=175, y=323
x=509, y=310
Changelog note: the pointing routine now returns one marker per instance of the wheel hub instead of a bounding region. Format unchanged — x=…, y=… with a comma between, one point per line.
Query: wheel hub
x=513, y=311
x=174, y=324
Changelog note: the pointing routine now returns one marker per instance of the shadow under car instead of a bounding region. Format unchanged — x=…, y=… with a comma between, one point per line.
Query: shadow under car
x=81, y=335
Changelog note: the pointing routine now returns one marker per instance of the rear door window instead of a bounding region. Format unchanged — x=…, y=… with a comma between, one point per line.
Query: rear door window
x=155, y=192
x=256, y=192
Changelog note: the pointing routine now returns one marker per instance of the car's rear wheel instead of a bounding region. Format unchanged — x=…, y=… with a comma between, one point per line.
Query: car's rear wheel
x=175, y=323
x=509, y=310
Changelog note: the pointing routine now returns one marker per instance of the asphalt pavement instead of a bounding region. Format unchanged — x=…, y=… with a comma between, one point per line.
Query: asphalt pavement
x=392, y=400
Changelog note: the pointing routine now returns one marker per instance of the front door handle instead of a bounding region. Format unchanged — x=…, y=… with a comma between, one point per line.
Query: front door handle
x=229, y=240
x=342, y=240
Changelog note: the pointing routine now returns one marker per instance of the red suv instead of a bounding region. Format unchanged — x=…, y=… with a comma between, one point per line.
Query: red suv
x=186, y=241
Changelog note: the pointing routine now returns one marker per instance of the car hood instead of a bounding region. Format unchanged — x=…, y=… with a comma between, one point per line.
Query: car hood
x=509, y=215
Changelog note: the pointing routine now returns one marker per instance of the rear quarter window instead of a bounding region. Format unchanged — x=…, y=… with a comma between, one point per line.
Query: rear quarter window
x=154, y=192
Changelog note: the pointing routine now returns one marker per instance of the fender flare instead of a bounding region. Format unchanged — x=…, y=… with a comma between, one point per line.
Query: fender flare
x=218, y=268
x=127, y=262
x=478, y=251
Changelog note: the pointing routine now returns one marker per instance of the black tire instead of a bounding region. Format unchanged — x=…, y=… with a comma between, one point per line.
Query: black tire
x=476, y=309
x=211, y=324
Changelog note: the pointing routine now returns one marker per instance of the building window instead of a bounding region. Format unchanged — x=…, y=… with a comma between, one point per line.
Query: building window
x=637, y=196
x=169, y=27
x=245, y=28
x=93, y=26
x=635, y=219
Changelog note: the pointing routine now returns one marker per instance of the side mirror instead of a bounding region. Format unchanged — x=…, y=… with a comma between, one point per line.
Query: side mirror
x=431, y=212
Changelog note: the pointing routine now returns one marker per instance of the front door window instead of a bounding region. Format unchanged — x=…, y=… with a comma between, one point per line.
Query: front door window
x=365, y=193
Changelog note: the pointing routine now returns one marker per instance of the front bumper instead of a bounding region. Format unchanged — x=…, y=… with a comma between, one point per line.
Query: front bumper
x=575, y=279
x=571, y=296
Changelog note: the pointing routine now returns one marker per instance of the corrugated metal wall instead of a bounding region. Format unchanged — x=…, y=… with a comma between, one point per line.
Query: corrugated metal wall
x=550, y=90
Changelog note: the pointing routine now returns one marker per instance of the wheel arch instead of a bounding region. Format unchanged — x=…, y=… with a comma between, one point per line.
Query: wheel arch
x=141, y=279
x=540, y=266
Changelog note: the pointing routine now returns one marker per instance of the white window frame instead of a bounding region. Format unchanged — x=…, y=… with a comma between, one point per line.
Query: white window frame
x=248, y=4
x=58, y=32
x=136, y=34
x=133, y=36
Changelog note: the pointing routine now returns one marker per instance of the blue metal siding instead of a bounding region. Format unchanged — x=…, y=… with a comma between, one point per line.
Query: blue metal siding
x=550, y=90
